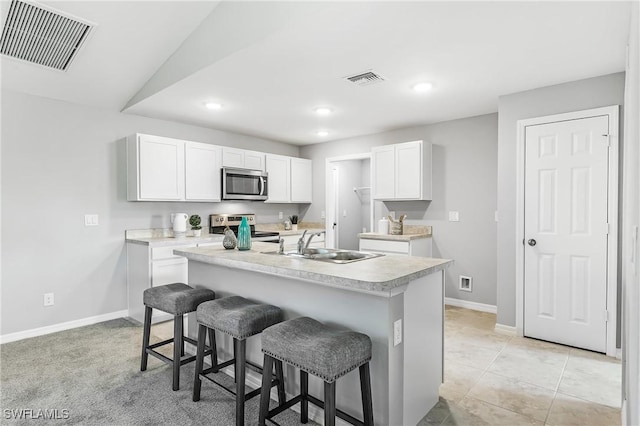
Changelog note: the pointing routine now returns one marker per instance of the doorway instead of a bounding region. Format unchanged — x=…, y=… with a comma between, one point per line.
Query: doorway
x=566, y=286
x=348, y=200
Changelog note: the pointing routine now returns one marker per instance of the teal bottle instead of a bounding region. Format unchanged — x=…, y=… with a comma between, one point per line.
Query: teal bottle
x=244, y=235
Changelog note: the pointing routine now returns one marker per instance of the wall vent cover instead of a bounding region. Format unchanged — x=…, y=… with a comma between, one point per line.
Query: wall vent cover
x=365, y=78
x=42, y=35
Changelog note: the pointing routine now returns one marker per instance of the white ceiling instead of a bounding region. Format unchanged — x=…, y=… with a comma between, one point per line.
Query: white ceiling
x=270, y=64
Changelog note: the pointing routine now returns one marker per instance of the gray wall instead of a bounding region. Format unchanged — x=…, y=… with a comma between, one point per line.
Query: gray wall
x=350, y=175
x=631, y=219
x=574, y=96
x=464, y=179
x=61, y=161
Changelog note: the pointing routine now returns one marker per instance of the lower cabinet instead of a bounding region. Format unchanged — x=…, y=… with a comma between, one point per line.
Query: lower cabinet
x=418, y=247
x=151, y=267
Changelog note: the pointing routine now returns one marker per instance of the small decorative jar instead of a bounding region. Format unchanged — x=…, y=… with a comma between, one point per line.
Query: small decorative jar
x=244, y=235
x=229, y=242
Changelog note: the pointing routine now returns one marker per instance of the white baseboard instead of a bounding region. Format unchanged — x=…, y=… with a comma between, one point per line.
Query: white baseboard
x=470, y=305
x=41, y=331
x=505, y=329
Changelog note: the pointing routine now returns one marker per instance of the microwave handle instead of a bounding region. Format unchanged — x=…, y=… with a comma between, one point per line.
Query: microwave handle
x=261, y=185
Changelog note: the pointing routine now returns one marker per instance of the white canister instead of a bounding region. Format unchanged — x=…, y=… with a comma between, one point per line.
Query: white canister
x=383, y=226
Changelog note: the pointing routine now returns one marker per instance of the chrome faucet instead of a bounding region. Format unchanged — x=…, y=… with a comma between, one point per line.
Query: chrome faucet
x=317, y=234
x=281, y=248
x=301, y=245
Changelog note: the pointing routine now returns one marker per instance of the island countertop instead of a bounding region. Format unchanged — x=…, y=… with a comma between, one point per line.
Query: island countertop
x=384, y=276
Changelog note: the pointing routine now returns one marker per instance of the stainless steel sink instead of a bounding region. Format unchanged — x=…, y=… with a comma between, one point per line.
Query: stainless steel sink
x=330, y=255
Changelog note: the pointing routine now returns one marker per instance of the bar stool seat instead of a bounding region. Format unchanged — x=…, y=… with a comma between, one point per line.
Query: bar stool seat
x=324, y=351
x=240, y=318
x=176, y=299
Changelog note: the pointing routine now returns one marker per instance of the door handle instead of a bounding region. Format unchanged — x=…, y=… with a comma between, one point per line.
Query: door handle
x=531, y=242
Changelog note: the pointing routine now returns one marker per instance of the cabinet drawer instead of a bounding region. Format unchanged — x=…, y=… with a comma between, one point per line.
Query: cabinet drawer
x=169, y=271
x=401, y=247
x=159, y=253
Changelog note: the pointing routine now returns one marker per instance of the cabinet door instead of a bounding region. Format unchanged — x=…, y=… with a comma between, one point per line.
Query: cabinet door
x=301, y=180
x=254, y=160
x=382, y=172
x=279, y=169
x=202, y=177
x=169, y=271
x=160, y=168
x=232, y=157
x=408, y=171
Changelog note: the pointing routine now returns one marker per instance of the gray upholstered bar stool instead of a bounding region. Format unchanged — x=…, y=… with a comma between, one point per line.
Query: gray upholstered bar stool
x=239, y=318
x=325, y=352
x=176, y=299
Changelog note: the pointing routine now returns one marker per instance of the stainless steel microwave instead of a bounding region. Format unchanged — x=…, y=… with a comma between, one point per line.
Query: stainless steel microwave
x=244, y=184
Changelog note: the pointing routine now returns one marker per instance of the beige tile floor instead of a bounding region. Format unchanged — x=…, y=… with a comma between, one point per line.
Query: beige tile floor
x=493, y=379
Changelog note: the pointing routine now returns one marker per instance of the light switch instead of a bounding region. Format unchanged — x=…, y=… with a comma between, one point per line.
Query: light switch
x=90, y=220
x=454, y=216
x=322, y=215
x=344, y=213
x=280, y=215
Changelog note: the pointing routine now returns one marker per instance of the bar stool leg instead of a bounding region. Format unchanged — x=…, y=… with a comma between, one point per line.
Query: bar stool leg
x=146, y=333
x=182, y=343
x=282, y=398
x=365, y=388
x=241, y=347
x=329, y=404
x=214, y=348
x=265, y=391
x=177, y=344
x=304, y=392
x=197, y=382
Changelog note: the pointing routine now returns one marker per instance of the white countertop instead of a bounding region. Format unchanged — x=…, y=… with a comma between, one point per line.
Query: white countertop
x=384, y=276
x=389, y=237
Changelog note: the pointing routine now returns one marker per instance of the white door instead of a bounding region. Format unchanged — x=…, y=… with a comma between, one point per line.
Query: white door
x=161, y=162
x=565, y=277
x=383, y=172
x=408, y=168
x=202, y=172
x=279, y=169
x=301, y=180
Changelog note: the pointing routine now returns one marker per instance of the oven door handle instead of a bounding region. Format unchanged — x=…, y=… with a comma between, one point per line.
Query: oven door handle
x=261, y=185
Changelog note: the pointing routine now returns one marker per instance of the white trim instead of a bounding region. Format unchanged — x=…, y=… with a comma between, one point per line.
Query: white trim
x=41, y=331
x=507, y=330
x=612, y=262
x=470, y=305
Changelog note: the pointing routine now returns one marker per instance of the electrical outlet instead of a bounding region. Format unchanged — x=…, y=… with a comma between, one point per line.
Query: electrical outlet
x=344, y=213
x=90, y=220
x=454, y=216
x=280, y=215
x=322, y=215
x=397, y=332
x=48, y=299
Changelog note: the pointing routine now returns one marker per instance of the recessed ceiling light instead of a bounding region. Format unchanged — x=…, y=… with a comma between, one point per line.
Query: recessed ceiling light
x=322, y=133
x=422, y=87
x=213, y=105
x=323, y=110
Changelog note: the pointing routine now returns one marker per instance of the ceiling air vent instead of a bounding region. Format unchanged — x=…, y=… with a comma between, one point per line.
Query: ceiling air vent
x=41, y=35
x=365, y=78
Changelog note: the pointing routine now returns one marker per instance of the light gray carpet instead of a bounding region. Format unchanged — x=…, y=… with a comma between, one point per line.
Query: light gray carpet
x=94, y=373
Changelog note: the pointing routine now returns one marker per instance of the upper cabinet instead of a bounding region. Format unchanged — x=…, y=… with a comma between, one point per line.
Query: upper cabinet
x=301, y=178
x=243, y=159
x=289, y=179
x=165, y=169
x=402, y=171
x=202, y=171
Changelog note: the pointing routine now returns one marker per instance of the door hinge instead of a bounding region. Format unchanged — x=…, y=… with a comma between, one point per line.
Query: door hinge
x=606, y=316
x=608, y=140
x=607, y=227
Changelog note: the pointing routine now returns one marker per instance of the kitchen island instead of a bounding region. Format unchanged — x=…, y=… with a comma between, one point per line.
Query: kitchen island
x=381, y=297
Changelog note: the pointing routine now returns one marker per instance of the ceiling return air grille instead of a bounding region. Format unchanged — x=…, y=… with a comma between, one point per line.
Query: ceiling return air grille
x=365, y=78
x=41, y=35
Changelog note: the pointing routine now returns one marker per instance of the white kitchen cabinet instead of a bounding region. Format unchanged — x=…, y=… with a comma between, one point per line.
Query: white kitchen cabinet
x=202, y=171
x=243, y=159
x=289, y=179
x=417, y=247
x=402, y=171
x=155, y=168
x=301, y=180
x=165, y=169
x=152, y=267
x=279, y=170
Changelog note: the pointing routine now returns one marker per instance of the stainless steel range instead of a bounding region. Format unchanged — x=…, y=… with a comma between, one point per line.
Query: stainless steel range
x=218, y=223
